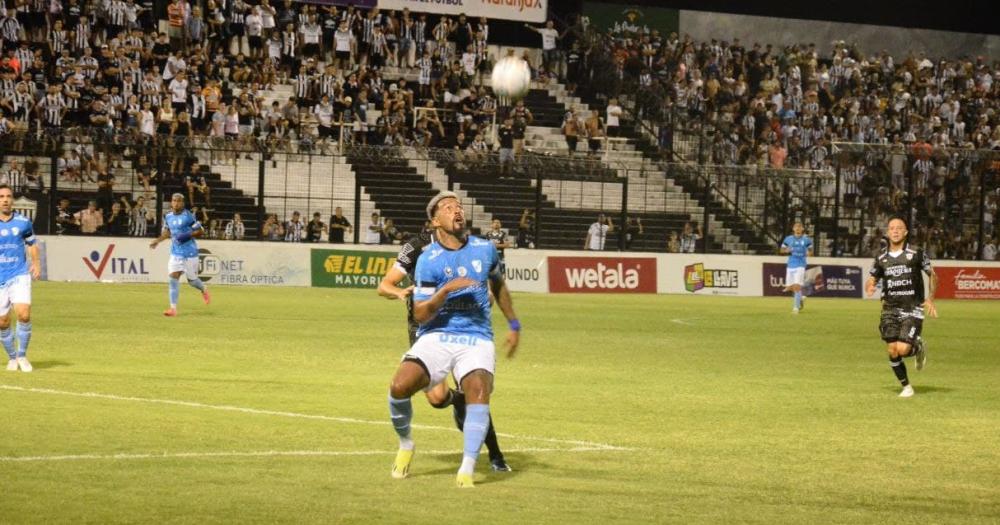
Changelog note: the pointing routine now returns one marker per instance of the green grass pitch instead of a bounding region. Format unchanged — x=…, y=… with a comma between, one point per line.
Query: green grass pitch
x=269, y=407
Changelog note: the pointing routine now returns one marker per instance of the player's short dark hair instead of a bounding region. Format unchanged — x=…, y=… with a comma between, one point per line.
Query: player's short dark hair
x=898, y=217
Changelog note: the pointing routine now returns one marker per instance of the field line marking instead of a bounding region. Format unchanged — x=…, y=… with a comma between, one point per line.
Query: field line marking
x=267, y=454
x=279, y=413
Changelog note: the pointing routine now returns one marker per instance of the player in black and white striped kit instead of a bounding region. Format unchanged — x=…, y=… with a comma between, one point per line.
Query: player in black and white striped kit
x=901, y=270
x=441, y=396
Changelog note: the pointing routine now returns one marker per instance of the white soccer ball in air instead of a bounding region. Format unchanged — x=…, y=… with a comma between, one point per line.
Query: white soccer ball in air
x=511, y=78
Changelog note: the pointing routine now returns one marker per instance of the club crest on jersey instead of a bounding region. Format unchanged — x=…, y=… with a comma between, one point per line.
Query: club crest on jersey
x=14, y=231
x=4, y=233
x=447, y=271
x=477, y=265
x=462, y=272
x=909, y=257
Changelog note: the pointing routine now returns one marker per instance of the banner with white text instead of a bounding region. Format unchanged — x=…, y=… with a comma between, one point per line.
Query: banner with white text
x=523, y=10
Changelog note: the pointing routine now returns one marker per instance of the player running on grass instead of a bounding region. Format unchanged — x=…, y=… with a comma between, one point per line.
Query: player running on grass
x=17, y=237
x=182, y=228
x=900, y=270
x=440, y=396
x=798, y=246
x=452, y=305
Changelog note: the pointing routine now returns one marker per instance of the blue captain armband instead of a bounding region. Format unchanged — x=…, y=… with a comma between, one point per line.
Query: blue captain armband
x=515, y=325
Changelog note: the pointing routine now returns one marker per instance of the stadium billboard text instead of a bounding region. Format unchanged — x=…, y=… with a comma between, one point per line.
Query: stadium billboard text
x=522, y=10
x=103, y=259
x=602, y=274
x=526, y=271
x=822, y=280
x=350, y=268
x=257, y=264
x=968, y=282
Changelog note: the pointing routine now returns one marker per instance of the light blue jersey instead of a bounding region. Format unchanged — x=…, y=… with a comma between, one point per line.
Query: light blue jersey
x=800, y=249
x=467, y=311
x=15, y=234
x=180, y=224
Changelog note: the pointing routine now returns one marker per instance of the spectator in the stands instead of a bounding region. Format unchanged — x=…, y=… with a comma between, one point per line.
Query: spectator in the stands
x=89, y=219
x=673, y=243
x=316, y=228
x=595, y=132
x=526, y=229
x=339, y=225
x=690, y=237
x=614, y=113
x=505, y=136
x=272, y=230
x=235, y=229
x=633, y=231
x=598, y=232
x=550, y=51
x=116, y=223
x=66, y=223
x=295, y=229
x=390, y=233
x=571, y=128
x=373, y=233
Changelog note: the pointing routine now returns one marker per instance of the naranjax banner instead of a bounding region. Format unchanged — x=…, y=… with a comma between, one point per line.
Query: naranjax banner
x=349, y=268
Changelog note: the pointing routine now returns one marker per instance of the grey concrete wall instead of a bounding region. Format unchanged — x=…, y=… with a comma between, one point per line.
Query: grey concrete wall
x=899, y=42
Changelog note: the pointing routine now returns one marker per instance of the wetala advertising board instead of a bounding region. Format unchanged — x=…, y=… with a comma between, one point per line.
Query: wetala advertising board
x=602, y=274
x=523, y=10
x=821, y=280
x=968, y=282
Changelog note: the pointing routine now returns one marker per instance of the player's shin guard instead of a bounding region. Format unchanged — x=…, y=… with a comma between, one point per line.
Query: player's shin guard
x=899, y=368
x=7, y=336
x=197, y=283
x=23, y=338
x=477, y=421
x=401, y=412
x=175, y=291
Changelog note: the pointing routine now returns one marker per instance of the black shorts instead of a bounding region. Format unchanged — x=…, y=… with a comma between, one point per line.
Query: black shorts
x=899, y=325
x=595, y=144
x=343, y=55
x=571, y=142
x=255, y=42
x=325, y=131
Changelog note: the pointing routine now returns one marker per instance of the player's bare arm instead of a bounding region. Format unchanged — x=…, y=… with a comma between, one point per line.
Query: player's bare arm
x=499, y=288
x=389, y=288
x=164, y=235
x=932, y=285
x=870, y=286
x=36, y=265
x=424, y=311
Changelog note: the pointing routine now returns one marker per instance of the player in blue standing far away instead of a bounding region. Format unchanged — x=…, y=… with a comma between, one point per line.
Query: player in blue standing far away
x=798, y=246
x=16, y=238
x=451, y=302
x=182, y=228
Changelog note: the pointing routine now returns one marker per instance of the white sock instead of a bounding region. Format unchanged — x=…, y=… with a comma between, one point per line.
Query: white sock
x=468, y=465
x=406, y=443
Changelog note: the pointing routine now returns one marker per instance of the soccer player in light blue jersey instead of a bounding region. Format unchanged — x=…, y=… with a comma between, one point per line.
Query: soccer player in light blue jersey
x=798, y=246
x=181, y=226
x=17, y=238
x=451, y=302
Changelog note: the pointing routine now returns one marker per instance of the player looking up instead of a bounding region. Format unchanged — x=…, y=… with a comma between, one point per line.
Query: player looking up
x=182, y=227
x=17, y=237
x=798, y=246
x=440, y=396
x=899, y=269
x=452, y=305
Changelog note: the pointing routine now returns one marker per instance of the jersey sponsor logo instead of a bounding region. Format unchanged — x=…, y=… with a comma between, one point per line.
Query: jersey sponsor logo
x=120, y=266
x=968, y=282
x=467, y=340
x=602, y=274
x=349, y=268
x=697, y=277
